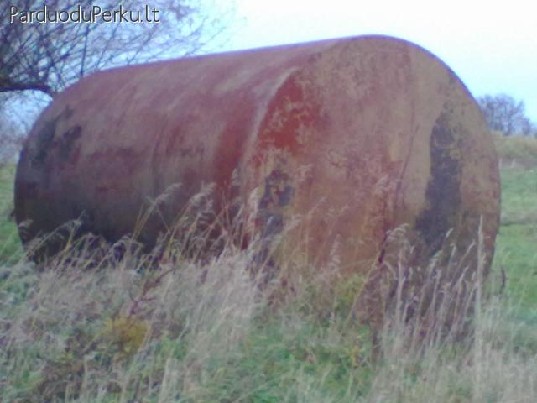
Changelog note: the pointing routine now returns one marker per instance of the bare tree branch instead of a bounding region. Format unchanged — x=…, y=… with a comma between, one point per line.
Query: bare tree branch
x=48, y=56
x=505, y=114
x=27, y=86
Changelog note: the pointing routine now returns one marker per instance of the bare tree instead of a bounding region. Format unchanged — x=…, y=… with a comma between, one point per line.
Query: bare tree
x=47, y=45
x=11, y=135
x=505, y=114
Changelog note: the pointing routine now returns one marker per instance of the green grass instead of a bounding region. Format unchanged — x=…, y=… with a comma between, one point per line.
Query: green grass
x=10, y=249
x=121, y=335
x=516, y=251
x=519, y=196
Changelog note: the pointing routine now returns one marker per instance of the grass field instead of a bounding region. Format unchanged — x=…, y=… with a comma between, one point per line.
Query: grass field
x=127, y=335
x=10, y=250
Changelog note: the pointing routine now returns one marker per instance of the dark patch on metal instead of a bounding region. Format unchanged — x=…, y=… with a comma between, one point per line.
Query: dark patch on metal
x=68, y=140
x=192, y=152
x=30, y=189
x=44, y=140
x=67, y=112
x=45, y=137
x=443, y=193
x=277, y=194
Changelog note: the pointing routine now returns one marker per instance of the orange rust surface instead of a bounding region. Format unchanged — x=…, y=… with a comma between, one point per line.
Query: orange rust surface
x=352, y=137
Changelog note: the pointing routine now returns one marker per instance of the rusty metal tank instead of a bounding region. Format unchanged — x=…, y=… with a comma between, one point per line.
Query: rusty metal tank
x=346, y=139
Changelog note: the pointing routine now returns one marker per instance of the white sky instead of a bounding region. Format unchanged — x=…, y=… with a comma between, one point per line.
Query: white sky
x=491, y=45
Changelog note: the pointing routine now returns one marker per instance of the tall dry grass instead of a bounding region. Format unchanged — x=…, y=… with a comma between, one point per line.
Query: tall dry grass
x=80, y=334
x=424, y=363
x=104, y=323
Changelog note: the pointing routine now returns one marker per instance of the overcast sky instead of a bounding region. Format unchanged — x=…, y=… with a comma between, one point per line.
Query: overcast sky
x=491, y=45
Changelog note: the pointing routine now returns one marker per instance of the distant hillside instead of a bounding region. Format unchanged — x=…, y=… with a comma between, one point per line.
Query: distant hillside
x=516, y=151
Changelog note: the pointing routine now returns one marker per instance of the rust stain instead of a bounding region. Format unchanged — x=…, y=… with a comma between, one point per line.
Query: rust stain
x=291, y=111
x=358, y=135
